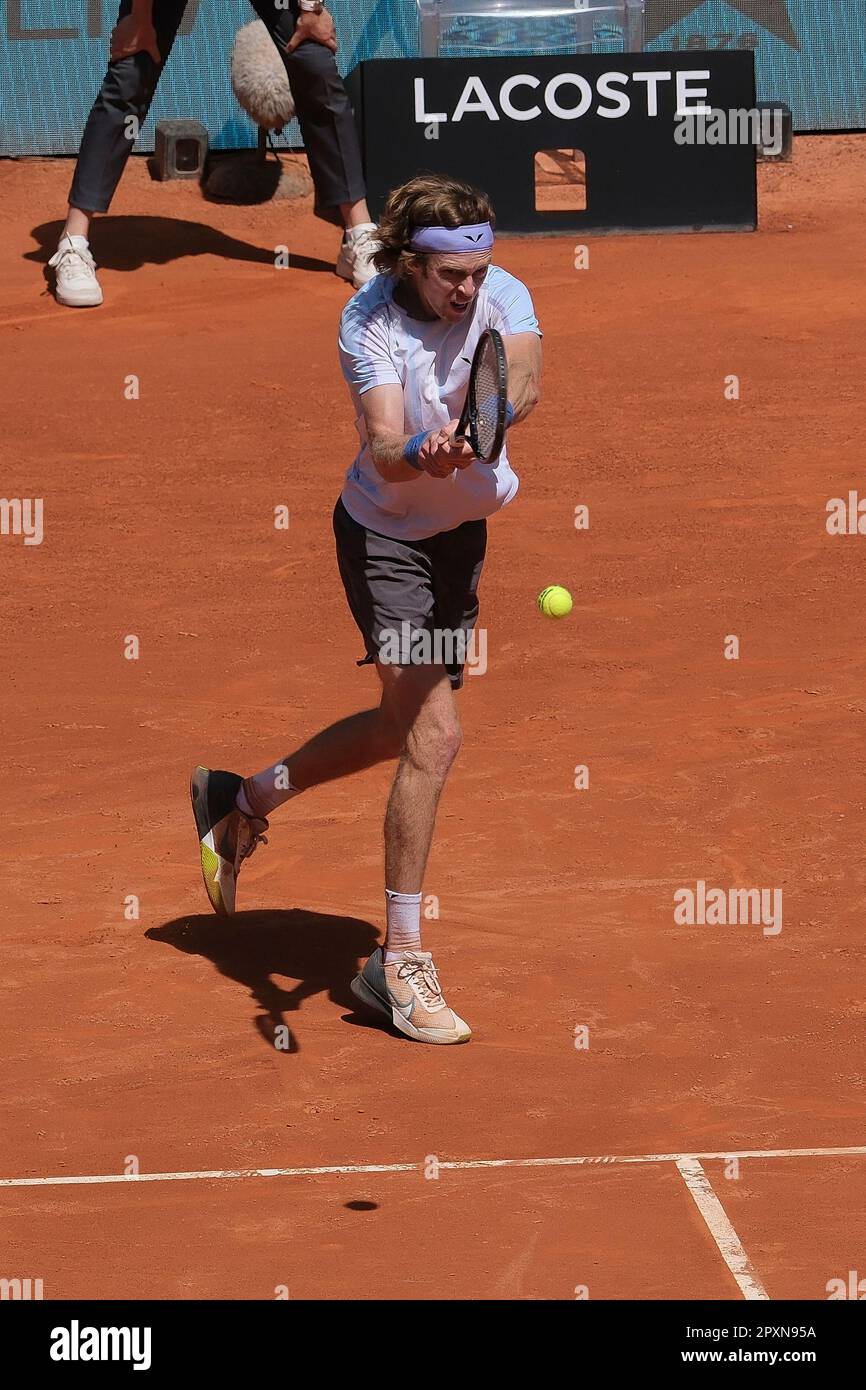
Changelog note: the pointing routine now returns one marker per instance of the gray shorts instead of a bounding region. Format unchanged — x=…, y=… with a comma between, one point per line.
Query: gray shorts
x=397, y=589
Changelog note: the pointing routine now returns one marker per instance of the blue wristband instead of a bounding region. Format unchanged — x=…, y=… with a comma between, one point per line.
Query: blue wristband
x=509, y=413
x=413, y=448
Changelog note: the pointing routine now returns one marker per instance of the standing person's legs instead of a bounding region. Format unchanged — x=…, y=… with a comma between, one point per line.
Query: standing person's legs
x=127, y=91
x=330, y=140
x=118, y=112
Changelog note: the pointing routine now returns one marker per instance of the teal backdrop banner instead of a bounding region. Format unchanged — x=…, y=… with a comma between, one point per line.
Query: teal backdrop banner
x=808, y=53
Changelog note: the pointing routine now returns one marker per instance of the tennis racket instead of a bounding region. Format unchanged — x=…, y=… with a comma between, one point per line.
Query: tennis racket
x=483, y=417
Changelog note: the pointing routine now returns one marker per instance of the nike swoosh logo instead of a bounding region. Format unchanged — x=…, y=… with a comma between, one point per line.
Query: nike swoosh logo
x=470, y=237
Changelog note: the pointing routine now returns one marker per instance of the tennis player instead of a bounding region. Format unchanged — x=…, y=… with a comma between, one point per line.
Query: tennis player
x=411, y=532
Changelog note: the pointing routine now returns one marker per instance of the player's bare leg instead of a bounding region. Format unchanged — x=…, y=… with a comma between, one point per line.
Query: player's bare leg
x=231, y=813
x=415, y=722
x=423, y=704
x=350, y=745
x=401, y=981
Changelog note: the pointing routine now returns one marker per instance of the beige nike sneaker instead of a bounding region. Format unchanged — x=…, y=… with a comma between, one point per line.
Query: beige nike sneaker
x=408, y=992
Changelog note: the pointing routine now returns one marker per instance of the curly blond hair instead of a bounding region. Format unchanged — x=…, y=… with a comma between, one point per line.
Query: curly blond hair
x=428, y=200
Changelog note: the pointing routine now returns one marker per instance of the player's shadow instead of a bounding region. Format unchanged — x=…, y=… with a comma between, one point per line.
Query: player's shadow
x=128, y=243
x=320, y=951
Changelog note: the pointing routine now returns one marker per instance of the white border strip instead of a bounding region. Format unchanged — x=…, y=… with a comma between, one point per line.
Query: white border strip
x=720, y=1229
x=227, y=1174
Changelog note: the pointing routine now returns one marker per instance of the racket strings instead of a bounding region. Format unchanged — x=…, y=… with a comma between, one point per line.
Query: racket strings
x=487, y=403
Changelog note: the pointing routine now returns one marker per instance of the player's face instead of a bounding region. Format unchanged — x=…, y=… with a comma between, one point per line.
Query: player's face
x=447, y=282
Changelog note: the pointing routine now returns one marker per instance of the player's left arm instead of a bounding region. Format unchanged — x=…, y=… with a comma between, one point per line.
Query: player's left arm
x=511, y=311
x=523, y=351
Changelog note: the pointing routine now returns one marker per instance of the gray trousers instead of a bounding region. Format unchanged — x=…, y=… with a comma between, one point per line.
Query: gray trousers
x=323, y=110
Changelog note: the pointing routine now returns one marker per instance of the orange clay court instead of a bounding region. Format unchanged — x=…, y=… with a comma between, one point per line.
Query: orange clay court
x=148, y=1043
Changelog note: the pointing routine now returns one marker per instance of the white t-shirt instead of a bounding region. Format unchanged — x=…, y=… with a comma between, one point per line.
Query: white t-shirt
x=430, y=359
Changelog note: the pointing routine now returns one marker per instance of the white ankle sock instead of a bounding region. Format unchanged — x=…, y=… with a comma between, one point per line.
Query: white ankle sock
x=403, y=917
x=260, y=795
x=79, y=242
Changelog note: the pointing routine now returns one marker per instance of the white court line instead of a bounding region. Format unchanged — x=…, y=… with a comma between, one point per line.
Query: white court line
x=721, y=1229
x=226, y=1174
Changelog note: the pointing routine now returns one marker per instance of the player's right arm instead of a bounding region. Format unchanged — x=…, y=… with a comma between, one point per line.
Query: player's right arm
x=383, y=416
x=135, y=33
x=371, y=366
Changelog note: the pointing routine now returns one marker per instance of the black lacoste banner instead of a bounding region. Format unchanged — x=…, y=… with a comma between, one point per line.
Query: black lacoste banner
x=636, y=119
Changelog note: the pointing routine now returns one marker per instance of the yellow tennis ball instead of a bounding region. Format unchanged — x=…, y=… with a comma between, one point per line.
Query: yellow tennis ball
x=554, y=601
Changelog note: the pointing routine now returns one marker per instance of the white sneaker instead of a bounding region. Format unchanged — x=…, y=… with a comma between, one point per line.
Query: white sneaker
x=355, y=261
x=76, y=284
